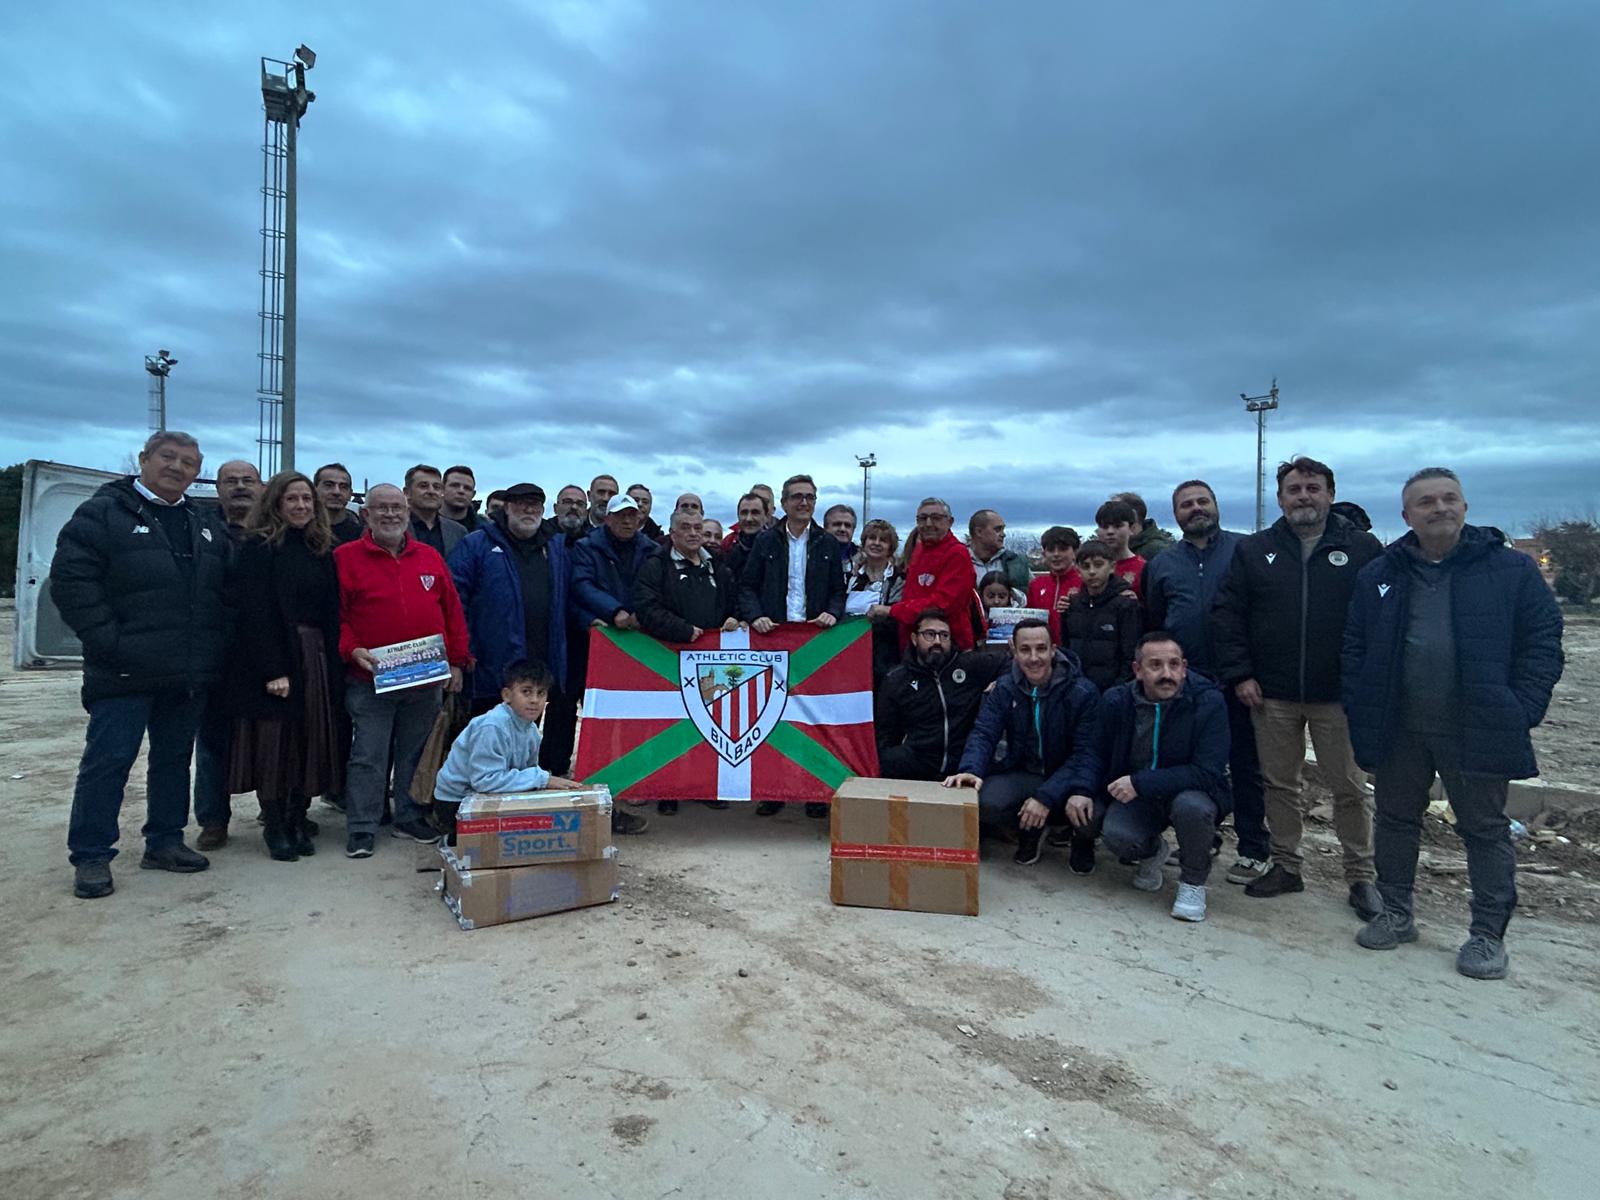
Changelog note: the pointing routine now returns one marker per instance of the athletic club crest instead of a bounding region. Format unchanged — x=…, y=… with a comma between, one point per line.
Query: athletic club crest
x=734, y=697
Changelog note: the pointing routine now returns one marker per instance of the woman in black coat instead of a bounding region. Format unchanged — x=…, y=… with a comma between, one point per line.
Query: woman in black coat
x=284, y=674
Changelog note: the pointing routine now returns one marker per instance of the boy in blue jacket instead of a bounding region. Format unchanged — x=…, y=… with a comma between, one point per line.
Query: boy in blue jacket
x=498, y=751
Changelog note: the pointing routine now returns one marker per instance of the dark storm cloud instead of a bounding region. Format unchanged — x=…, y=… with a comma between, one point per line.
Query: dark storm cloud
x=682, y=238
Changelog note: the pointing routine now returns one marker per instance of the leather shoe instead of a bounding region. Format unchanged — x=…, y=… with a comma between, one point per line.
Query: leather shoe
x=1366, y=900
x=176, y=857
x=212, y=837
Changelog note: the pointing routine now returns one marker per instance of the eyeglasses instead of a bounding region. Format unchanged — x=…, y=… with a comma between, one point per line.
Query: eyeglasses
x=934, y=635
x=386, y=510
x=932, y=518
x=804, y=497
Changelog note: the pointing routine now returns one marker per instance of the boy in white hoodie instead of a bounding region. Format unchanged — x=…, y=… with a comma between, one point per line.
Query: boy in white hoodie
x=498, y=751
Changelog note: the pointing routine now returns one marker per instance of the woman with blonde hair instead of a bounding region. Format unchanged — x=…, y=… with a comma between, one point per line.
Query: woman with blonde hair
x=285, y=668
x=874, y=577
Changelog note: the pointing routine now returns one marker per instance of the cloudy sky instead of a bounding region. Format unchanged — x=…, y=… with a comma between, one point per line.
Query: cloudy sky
x=1028, y=253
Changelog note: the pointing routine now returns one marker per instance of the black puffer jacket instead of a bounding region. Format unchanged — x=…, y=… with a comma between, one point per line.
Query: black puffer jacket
x=1279, y=619
x=672, y=596
x=1104, y=631
x=931, y=712
x=147, y=620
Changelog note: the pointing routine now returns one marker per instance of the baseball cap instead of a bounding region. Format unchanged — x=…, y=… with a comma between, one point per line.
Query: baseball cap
x=622, y=503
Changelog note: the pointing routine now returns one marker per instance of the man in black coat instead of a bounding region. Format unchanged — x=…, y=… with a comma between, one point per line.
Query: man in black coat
x=1276, y=630
x=927, y=704
x=793, y=572
x=1451, y=652
x=138, y=575
x=682, y=594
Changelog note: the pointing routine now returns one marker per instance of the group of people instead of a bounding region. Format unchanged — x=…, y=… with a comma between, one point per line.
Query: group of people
x=1170, y=682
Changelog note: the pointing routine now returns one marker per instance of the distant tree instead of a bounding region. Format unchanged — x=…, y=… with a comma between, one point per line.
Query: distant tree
x=10, y=515
x=1574, y=548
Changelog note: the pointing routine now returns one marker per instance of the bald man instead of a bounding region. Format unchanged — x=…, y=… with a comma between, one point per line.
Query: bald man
x=238, y=485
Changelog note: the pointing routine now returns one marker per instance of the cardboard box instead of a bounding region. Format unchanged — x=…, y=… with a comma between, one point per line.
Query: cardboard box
x=523, y=828
x=906, y=845
x=478, y=898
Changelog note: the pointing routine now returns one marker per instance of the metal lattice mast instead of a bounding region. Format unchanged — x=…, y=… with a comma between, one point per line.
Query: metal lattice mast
x=284, y=100
x=159, y=365
x=1261, y=406
x=867, y=462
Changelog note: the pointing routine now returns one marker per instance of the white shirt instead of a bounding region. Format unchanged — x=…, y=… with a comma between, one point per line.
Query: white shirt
x=139, y=487
x=795, y=599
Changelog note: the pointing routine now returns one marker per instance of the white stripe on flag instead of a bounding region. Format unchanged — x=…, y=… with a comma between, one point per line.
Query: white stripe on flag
x=633, y=706
x=840, y=708
x=733, y=783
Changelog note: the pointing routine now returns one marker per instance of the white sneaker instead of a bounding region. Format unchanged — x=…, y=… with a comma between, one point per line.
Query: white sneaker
x=1247, y=870
x=1191, y=902
x=1148, y=877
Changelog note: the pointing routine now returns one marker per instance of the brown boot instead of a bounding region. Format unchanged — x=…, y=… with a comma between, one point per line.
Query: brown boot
x=212, y=837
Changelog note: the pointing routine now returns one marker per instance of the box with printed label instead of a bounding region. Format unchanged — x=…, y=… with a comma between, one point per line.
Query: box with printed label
x=477, y=898
x=903, y=844
x=520, y=829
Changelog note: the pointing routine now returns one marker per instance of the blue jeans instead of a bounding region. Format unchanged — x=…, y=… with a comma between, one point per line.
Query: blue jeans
x=1131, y=830
x=212, y=745
x=1244, y=777
x=397, y=721
x=117, y=727
x=1401, y=798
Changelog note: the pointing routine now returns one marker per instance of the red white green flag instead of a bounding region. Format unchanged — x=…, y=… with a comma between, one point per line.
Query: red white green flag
x=732, y=716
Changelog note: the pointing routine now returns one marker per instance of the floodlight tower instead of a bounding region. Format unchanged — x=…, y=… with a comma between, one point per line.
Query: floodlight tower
x=284, y=99
x=1261, y=406
x=867, y=461
x=159, y=365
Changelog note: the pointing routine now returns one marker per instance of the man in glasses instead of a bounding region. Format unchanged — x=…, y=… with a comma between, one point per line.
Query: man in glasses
x=925, y=708
x=939, y=575
x=793, y=574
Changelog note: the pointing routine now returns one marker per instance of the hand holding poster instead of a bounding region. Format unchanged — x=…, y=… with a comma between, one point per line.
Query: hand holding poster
x=410, y=664
x=1003, y=620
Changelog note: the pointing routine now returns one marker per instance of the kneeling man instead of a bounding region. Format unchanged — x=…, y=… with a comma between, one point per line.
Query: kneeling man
x=1164, y=754
x=926, y=705
x=1046, y=712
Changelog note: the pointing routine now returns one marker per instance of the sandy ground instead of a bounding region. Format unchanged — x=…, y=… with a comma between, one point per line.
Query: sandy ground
x=322, y=1029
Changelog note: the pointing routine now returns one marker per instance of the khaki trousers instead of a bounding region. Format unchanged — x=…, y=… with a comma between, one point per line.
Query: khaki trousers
x=1280, y=727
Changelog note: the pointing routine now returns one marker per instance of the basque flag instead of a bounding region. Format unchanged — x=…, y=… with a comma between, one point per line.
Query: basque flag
x=732, y=716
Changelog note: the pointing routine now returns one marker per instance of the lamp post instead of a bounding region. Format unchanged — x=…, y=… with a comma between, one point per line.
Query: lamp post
x=867, y=462
x=1261, y=406
x=159, y=365
x=285, y=98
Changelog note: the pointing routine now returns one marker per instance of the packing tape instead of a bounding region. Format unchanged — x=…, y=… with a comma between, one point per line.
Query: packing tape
x=899, y=869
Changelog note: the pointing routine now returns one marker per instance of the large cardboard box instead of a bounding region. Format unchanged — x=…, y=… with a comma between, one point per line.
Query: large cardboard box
x=492, y=897
x=902, y=844
x=520, y=829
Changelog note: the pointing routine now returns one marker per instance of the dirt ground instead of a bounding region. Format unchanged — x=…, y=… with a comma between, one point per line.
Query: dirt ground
x=322, y=1028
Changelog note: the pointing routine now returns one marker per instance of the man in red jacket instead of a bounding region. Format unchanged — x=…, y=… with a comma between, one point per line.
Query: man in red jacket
x=392, y=588
x=938, y=576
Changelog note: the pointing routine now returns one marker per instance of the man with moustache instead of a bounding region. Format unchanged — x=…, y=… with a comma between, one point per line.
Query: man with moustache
x=1276, y=631
x=1451, y=652
x=646, y=501
x=926, y=705
x=1180, y=587
x=333, y=486
x=1163, y=751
